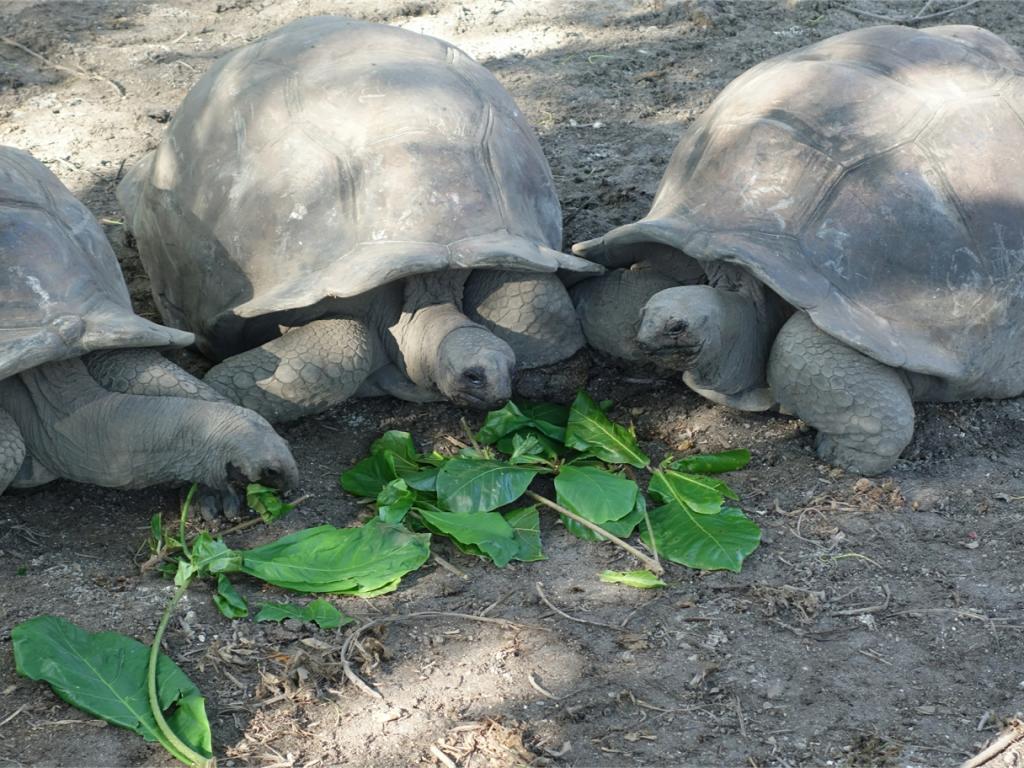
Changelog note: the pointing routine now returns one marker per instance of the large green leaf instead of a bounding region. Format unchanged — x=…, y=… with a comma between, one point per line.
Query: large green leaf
x=525, y=523
x=704, y=495
x=487, y=532
x=595, y=493
x=623, y=527
x=104, y=674
x=320, y=612
x=354, y=561
x=590, y=430
x=707, y=542
x=547, y=419
x=480, y=485
x=712, y=463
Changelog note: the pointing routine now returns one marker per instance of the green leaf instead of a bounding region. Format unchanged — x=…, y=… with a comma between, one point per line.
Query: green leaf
x=210, y=555
x=355, y=561
x=527, y=449
x=471, y=485
x=623, y=527
x=591, y=431
x=228, y=601
x=396, y=442
x=549, y=449
x=712, y=463
x=701, y=494
x=369, y=476
x=551, y=413
x=595, y=493
x=395, y=501
x=320, y=612
x=156, y=532
x=486, y=531
x=422, y=479
x=104, y=674
x=512, y=418
x=266, y=503
x=635, y=579
x=707, y=542
x=525, y=524
x=189, y=722
x=392, y=456
x=183, y=575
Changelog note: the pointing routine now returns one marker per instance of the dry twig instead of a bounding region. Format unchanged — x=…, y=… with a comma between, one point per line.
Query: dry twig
x=564, y=615
x=652, y=565
x=77, y=70
x=919, y=16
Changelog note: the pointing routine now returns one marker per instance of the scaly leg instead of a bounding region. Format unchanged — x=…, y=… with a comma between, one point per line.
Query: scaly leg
x=860, y=407
x=304, y=371
x=146, y=372
x=530, y=311
x=12, y=450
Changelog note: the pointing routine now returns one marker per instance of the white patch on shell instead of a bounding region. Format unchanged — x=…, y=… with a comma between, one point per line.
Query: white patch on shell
x=36, y=287
x=298, y=212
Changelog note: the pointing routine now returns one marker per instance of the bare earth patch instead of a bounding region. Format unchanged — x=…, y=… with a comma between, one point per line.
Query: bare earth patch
x=879, y=623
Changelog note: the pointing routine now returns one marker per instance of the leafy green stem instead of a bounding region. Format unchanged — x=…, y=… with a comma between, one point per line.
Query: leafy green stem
x=170, y=740
x=160, y=557
x=184, y=518
x=653, y=565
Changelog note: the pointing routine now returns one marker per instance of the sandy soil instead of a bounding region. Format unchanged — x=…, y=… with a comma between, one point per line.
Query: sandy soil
x=880, y=622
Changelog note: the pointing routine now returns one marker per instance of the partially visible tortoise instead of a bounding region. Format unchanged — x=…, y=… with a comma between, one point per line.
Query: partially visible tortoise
x=855, y=212
x=346, y=208
x=84, y=395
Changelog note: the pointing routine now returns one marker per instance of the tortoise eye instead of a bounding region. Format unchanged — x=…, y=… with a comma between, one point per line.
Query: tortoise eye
x=675, y=328
x=474, y=377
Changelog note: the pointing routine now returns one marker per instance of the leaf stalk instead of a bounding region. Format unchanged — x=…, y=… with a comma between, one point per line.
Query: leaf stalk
x=653, y=565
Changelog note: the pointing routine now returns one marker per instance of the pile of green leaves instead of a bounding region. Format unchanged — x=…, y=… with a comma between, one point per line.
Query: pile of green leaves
x=476, y=497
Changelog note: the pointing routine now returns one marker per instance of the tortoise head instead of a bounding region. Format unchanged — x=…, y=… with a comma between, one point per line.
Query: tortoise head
x=474, y=368
x=680, y=327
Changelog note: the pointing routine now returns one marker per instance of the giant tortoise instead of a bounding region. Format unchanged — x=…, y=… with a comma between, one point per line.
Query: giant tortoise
x=853, y=212
x=346, y=208
x=84, y=393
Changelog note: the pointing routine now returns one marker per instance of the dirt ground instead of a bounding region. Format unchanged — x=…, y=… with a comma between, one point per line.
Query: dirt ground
x=879, y=623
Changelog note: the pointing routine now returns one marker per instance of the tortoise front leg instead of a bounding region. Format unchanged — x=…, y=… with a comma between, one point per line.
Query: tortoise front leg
x=530, y=311
x=12, y=449
x=860, y=407
x=304, y=371
x=146, y=372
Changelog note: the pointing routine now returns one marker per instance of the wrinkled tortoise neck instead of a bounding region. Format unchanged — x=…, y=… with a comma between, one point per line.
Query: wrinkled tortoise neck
x=432, y=310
